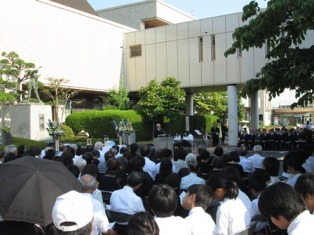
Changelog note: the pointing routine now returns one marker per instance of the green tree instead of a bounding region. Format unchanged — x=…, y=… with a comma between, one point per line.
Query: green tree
x=216, y=103
x=162, y=101
x=283, y=26
x=118, y=99
x=16, y=71
x=58, y=94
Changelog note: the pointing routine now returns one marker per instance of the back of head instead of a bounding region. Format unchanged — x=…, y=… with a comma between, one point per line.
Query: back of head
x=144, y=151
x=166, y=153
x=257, y=183
x=218, y=151
x=182, y=153
x=133, y=148
x=271, y=165
x=205, y=155
x=280, y=199
x=98, y=145
x=165, y=166
x=109, y=154
x=142, y=223
x=233, y=156
x=90, y=169
x=257, y=148
x=113, y=164
x=88, y=157
x=220, y=181
x=190, y=159
x=163, y=200
x=305, y=185
x=89, y=183
x=203, y=195
x=173, y=180
x=243, y=151
x=136, y=163
x=135, y=178
x=71, y=212
x=217, y=162
x=232, y=174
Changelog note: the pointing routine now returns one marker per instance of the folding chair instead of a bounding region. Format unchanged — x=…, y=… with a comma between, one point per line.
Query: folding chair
x=106, y=196
x=119, y=217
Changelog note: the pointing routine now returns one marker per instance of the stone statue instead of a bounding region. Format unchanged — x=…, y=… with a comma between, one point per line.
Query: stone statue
x=33, y=85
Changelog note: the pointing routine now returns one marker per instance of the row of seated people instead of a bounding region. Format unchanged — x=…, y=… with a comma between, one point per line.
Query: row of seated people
x=275, y=139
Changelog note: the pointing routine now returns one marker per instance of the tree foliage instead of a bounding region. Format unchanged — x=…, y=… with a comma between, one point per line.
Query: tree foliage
x=283, y=26
x=118, y=99
x=215, y=103
x=162, y=101
x=58, y=94
x=15, y=71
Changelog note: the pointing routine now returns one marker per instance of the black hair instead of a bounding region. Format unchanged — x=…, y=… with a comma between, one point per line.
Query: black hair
x=203, y=195
x=165, y=166
x=96, y=153
x=233, y=156
x=243, y=151
x=182, y=154
x=220, y=180
x=133, y=148
x=218, y=151
x=204, y=155
x=144, y=151
x=113, y=164
x=88, y=157
x=49, y=154
x=87, y=229
x=142, y=223
x=257, y=182
x=166, y=153
x=135, y=178
x=305, y=185
x=163, y=200
x=296, y=162
x=10, y=157
x=136, y=163
x=232, y=174
x=280, y=199
x=217, y=162
x=173, y=180
x=108, y=155
x=90, y=169
x=271, y=165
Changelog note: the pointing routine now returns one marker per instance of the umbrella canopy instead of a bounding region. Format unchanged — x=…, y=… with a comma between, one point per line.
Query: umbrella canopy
x=30, y=186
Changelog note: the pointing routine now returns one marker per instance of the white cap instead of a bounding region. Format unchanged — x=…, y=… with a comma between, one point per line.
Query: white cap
x=72, y=207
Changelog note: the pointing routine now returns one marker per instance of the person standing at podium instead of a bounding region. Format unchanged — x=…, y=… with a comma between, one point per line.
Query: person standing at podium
x=159, y=132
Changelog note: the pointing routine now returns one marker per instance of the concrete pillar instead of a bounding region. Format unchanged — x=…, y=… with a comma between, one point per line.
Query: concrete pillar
x=233, y=127
x=254, y=111
x=189, y=104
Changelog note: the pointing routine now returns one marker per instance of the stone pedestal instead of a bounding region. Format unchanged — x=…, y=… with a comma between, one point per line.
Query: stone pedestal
x=129, y=138
x=30, y=121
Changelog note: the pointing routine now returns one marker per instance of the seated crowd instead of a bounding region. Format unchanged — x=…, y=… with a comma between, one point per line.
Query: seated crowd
x=182, y=192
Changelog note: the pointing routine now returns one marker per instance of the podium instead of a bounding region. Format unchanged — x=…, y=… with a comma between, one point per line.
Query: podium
x=163, y=142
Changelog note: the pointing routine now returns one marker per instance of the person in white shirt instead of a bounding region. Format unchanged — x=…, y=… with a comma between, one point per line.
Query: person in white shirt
x=257, y=159
x=149, y=166
x=232, y=215
x=286, y=209
x=166, y=153
x=305, y=187
x=294, y=163
x=100, y=221
x=244, y=162
x=192, y=177
x=271, y=165
x=125, y=200
x=197, y=199
x=177, y=137
x=256, y=185
x=163, y=201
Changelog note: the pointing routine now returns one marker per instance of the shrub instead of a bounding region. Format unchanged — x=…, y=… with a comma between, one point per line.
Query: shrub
x=67, y=133
x=100, y=123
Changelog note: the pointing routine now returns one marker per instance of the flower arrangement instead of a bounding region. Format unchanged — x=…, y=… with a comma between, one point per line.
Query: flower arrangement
x=123, y=126
x=54, y=129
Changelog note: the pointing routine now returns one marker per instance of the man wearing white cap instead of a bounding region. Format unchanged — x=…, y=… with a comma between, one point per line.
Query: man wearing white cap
x=73, y=214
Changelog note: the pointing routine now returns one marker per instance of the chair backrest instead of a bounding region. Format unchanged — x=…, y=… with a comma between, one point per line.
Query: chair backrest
x=119, y=217
x=106, y=196
x=249, y=230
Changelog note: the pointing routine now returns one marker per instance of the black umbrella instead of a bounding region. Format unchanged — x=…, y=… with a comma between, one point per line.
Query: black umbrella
x=30, y=186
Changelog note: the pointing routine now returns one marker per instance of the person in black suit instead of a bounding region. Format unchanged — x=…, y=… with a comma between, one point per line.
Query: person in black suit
x=158, y=132
x=215, y=134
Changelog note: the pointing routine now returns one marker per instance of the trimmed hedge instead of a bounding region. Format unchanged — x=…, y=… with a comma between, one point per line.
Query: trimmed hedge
x=100, y=123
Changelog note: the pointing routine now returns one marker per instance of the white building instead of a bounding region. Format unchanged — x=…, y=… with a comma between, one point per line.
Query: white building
x=148, y=40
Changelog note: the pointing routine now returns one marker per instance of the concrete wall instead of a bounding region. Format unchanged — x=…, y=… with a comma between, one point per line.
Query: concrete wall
x=67, y=43
x=133, y=14
x=174, y=51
